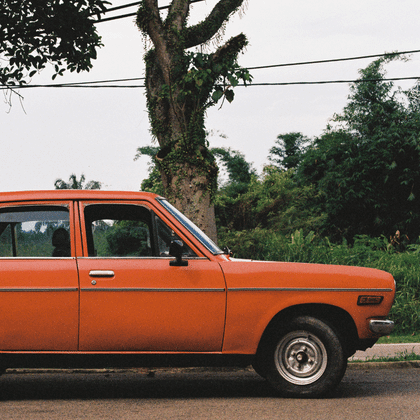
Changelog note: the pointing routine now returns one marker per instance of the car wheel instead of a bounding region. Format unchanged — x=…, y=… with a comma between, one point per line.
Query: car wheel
x=304, y=359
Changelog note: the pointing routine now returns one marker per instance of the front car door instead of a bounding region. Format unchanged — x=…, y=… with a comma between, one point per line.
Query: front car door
x=39, y=291
x=131, y=299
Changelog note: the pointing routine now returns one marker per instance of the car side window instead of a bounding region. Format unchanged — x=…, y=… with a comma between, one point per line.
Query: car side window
x=165, y=235
x=118, y=230
x=127, y=230
x=35, y=231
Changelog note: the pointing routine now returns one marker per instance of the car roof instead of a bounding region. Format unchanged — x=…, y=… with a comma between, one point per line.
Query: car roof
x=46, y=195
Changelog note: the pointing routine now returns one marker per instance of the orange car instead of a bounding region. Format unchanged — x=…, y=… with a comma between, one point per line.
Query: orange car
x=101, y=279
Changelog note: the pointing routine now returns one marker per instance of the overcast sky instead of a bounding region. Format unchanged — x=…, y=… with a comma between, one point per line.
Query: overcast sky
x=62, y=131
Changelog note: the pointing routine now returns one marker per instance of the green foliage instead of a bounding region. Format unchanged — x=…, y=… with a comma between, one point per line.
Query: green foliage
x=367, y=167
x=403, y=356
x=396, y=338
x=127, y=238
x=207, y=80
x=275, y=202
x=288, y=150
x=75, y=184
x=35, y=33
x=240, y=172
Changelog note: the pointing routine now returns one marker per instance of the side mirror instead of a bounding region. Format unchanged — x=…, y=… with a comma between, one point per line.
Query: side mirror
x=175, y=250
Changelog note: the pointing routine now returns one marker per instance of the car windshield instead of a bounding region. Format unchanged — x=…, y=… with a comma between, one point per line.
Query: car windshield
x=192, y=228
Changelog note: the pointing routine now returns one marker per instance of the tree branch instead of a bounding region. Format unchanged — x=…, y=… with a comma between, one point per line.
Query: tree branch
x=178, y=12
x=204, y=31
x=231, y=48
x=149, y=22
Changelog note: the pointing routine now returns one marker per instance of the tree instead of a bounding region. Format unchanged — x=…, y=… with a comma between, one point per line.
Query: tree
x=288, y=150
x=239, y=171
x=180, y=86
x=274, y=202
x=34, y=33
x=75, y=184
x=367, y=165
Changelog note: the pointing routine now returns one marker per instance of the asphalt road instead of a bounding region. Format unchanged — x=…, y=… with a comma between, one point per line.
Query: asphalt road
x=365, y=392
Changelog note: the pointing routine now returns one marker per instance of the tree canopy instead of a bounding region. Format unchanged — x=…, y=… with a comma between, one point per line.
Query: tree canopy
x=77, y=184
x=367, y=164
x=34, y=33
x=288, y=150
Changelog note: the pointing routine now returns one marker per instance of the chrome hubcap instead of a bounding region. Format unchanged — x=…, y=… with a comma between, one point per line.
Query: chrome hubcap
x=300, y=358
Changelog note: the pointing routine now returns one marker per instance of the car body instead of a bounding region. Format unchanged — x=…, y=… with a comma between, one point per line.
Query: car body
x=89, y=279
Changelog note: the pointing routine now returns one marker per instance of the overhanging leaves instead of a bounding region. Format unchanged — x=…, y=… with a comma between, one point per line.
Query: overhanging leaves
x=36, y=32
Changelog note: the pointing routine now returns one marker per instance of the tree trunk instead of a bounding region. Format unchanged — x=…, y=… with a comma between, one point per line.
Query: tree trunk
x=188, y=187
x=195, y=203
x=180, y=86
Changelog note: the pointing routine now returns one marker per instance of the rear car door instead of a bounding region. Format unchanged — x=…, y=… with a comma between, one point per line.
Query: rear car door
x=131, y=299
x=38, y=277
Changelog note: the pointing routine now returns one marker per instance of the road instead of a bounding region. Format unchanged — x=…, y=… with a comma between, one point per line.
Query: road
x=191, y=394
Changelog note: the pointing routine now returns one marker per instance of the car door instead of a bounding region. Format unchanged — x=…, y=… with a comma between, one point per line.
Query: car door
x=39, y=291
x=131, y=298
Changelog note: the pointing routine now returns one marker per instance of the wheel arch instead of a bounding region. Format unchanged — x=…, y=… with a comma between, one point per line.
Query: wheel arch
x=336, y=317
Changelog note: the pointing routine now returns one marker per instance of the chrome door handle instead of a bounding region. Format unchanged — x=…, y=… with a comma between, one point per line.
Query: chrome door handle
x=101, y=273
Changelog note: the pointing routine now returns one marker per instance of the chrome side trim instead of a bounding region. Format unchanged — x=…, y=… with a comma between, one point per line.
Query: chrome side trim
x=37, y=258
x=145, y=289
x=302, y=289
x=39, y=289
x=169, y=258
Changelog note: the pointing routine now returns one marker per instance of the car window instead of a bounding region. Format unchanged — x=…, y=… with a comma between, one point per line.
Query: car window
x=192, y=228
x=126, y=230
x=165, y=235
x=34, y=231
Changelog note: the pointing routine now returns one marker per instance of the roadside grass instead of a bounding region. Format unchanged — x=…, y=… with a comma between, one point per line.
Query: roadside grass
x=403, y=356
x=397, y=339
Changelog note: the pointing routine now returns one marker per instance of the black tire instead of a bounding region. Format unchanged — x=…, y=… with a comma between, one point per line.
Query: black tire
x=303, y=359
x=259, y=369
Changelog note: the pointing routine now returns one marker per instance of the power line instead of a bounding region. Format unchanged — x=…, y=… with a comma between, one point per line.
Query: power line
x=87, y=85
x=329, y=82
x=133, y=13
x=81, y=84
x=269, y=66
x=124, y=6
x=334, y=60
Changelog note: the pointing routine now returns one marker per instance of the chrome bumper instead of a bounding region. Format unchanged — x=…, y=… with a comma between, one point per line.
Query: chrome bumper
x=381, y=326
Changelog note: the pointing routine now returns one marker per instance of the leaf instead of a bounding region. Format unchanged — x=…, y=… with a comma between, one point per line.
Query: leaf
x=217, y=94
x=229, y=94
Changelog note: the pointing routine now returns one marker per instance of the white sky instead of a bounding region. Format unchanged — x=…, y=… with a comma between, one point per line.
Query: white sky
x=97, y=131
